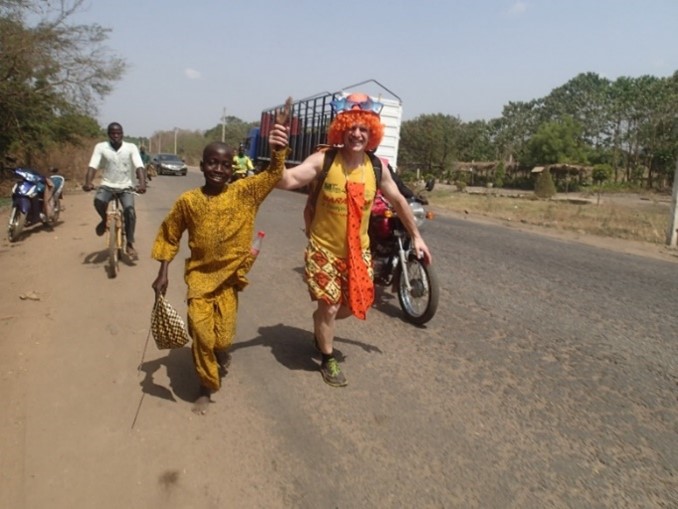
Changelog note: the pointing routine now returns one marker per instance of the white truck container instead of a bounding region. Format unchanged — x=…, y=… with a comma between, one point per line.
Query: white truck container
x=312, y=116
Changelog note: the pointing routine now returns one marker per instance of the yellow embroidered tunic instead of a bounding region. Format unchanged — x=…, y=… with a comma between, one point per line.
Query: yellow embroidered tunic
x=220, y=230
x=328, y=229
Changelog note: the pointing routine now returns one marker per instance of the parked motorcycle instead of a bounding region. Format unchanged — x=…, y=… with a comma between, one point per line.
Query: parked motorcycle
x=27, y=201
x=396, y=264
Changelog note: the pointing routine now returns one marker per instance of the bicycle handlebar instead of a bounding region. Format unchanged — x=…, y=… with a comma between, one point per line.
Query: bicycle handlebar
x=132, y=190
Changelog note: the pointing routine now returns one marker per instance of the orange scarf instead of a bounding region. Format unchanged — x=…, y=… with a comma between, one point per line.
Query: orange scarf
x=360, y=286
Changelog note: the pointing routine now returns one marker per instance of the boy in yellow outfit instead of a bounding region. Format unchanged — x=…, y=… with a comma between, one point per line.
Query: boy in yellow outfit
x=219, y=218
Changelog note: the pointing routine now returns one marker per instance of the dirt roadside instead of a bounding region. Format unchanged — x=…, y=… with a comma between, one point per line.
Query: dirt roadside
x=627, y=200
x=65, y=356
x=619, y=245
x=66, y=381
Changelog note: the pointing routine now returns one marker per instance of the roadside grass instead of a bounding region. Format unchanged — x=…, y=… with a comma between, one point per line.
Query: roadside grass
x=643, y=221
x=5, y=193
x=71, y=161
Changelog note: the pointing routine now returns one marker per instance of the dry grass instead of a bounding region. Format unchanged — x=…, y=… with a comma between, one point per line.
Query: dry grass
x=69, y=159
x=632, y=219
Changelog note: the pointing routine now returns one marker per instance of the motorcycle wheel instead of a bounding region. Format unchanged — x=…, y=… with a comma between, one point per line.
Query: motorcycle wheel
x=17, y=221
x=421, y=303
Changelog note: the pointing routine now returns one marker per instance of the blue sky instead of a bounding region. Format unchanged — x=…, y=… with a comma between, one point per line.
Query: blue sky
x=188, y=60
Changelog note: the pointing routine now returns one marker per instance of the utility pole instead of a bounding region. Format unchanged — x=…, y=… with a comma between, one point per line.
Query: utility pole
x=175, y=140
x=672, y=232
x=223, y=126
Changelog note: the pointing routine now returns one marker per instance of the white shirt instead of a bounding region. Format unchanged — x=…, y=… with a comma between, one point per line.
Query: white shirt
x=118, y=166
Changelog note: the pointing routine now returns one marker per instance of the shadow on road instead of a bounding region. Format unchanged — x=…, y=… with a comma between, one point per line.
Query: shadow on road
x=183, y=381
x=37, y=229
x=96, y=258
x=293, y=347
x=99, y=257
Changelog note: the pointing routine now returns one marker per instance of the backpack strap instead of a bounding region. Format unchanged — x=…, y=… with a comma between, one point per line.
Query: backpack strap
x=377, y=165
x=316, y=184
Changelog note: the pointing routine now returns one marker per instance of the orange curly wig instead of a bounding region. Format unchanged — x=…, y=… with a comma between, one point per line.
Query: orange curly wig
x=346, y=119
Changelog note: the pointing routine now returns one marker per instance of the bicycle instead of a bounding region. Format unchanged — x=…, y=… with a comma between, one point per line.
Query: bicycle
x=115, y=230
x=116, y=238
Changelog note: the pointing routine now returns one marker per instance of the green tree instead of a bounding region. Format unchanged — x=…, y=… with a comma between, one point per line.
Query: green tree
x=430, y=142
x=52, y=72
x=519, y=121
x=557, y=142
x=475, y=142
x=234, y=131
x=189, y=143
x=601, y=173
x=585, y=99
x=658, y=126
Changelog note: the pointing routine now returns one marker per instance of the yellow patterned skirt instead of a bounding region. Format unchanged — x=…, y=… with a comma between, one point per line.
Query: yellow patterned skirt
x=327, y=274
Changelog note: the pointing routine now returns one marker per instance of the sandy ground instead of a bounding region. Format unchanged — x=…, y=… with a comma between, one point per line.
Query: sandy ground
x=67, y=419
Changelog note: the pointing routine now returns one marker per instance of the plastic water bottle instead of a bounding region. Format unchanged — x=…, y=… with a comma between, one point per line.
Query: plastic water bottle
x=256, y=244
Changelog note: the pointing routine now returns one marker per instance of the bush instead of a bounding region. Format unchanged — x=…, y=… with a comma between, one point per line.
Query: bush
x=567, y=186
x=499, y=175
x=545, y=188
x=601, y=173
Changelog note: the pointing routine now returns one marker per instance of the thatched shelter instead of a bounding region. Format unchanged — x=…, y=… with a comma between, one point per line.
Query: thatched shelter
x=567, y=173
x=485, y=171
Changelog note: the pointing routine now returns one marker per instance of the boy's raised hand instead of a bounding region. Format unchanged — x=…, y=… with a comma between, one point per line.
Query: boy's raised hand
x=279, y=135
x=283, y=115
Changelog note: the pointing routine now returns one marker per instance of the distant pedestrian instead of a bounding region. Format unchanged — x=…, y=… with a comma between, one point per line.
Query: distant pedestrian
x=146, y=159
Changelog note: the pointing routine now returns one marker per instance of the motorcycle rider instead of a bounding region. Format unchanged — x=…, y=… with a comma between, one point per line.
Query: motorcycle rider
x=242, y=164
x=119, y=160
x=146, y=159
x=338, y=263
x=45, y=192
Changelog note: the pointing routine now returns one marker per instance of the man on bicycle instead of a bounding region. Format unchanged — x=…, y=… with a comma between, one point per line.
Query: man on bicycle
x=119, y=161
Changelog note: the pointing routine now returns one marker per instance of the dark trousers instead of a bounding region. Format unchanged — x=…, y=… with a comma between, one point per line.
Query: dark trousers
x=105, y=194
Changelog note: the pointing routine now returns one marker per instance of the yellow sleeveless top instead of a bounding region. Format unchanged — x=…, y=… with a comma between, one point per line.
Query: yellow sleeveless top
x=328, y=228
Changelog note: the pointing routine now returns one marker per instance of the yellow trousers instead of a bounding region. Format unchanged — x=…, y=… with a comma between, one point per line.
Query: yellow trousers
x=211, y=324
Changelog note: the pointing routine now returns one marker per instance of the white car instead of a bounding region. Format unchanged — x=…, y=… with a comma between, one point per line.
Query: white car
x=169, y=164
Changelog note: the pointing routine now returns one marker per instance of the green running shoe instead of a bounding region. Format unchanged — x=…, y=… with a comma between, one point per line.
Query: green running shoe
x=332, y=374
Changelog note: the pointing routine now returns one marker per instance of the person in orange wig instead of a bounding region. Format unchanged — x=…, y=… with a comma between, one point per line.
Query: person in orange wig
x=338, y=266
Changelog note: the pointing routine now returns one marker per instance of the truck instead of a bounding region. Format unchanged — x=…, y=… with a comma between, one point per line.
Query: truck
x=311, y=118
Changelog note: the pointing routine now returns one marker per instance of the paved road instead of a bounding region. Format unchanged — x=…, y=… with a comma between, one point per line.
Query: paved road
x=548, y=378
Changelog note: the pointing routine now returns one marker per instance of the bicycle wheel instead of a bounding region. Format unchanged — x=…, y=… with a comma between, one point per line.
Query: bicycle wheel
x=113, y=253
